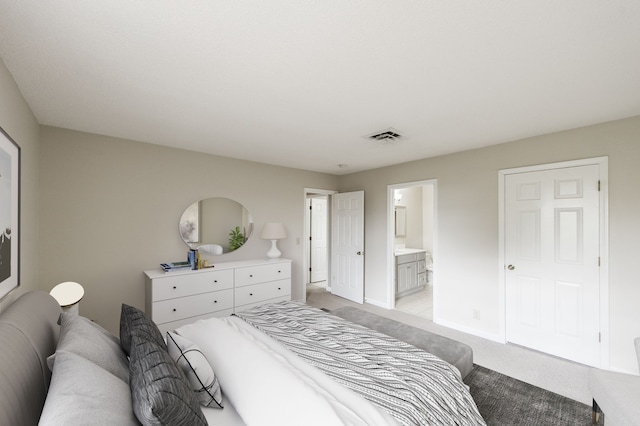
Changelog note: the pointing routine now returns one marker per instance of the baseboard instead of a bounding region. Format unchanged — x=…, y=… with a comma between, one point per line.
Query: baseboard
x=376, y=303
x=474, y=332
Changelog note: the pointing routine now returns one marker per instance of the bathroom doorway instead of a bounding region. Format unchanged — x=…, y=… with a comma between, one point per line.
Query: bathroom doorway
x=412, y=237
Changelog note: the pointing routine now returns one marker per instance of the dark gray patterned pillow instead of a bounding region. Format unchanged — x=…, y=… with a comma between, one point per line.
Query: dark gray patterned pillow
x=160, y=393
x=134, y=322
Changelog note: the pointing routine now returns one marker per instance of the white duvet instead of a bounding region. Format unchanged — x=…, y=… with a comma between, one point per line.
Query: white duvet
x=269, y=385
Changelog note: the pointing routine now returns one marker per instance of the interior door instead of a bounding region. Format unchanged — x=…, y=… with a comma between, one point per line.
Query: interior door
x=318, y=240
x=552, y=261
x=347, y=246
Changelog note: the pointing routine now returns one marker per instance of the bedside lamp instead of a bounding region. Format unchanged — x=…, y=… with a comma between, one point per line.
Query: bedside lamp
x=68, y=295
x=273, y=231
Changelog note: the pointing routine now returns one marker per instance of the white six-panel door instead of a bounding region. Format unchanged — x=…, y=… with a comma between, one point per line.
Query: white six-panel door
x=552, y=230
x=347, y=246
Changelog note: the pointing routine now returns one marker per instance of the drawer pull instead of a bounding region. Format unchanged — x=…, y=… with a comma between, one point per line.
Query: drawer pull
x=279, y=271
x=215, y=281
x=174, y=309
x=215, y=301
x=174, y=287
x=250, y=276
x=250, y=294
x=279, y=288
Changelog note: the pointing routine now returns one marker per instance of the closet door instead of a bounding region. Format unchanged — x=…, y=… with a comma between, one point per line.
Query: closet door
x=552, y=253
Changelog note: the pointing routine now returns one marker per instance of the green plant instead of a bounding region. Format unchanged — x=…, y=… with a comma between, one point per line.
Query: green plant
x=236, y=238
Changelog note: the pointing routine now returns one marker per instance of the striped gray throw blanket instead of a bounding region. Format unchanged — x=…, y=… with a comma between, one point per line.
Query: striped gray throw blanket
x=414, y=386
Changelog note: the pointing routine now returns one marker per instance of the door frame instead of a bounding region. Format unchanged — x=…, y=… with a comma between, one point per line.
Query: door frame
x=307, y=234
x=391, y=261
x=603, y=167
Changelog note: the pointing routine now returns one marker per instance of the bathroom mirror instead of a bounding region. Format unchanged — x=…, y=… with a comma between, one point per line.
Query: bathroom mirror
x=401, y=221
x=216, y=225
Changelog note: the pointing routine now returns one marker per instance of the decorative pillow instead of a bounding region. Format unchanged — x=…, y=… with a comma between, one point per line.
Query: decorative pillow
x=134, y=322
x=188, y=356
x=159, y=391
x=81, y=336
x=82, y=393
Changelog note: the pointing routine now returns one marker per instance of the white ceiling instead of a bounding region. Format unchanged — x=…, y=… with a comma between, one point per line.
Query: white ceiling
x=298, y=83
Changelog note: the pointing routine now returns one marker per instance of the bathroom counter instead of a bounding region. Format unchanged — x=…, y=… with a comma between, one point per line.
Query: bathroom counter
x=400, y=252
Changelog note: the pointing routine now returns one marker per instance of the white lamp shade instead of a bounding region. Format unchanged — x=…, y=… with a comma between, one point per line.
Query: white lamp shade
x=68, y=294
x=273, y=231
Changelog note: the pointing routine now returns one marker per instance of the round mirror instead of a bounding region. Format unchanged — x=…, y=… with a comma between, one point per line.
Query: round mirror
x=216, y=225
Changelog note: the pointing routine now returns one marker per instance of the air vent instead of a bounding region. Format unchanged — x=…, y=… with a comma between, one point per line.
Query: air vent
x=389, y=135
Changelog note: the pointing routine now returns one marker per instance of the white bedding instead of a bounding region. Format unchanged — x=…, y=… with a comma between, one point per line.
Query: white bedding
x=269, y=385
x=225, y=417
x=412, y=385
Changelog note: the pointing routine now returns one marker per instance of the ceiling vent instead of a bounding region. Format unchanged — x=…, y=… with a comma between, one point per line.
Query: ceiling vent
x=387, y=136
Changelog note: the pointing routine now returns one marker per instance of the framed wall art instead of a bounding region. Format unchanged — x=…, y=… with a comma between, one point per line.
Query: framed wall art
x=9, y=214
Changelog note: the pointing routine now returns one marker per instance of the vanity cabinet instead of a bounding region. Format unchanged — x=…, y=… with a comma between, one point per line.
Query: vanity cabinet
x=176, y=298
x=411, y=272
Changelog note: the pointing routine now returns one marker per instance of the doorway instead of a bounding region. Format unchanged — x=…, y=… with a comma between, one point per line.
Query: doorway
x=317, y=250
x=339, y=258
x=412, y=247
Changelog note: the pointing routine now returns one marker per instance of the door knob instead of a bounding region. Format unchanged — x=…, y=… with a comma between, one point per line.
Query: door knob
x=511, y=267
x=359, y=253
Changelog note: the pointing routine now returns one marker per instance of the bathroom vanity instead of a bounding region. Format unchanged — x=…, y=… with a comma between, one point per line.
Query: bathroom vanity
x=411, y=270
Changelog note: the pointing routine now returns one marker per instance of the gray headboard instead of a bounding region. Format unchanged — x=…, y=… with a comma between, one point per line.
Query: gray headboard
x=28, y=335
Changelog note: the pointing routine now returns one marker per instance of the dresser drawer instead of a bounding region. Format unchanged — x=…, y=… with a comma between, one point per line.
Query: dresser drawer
x=262, y=292
x=170, y=287
x=262, y=273
x=191, y=306
x=406, y=258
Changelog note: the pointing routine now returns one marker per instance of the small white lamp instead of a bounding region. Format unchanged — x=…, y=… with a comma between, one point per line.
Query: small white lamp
x=68, y=294
x=273, y=231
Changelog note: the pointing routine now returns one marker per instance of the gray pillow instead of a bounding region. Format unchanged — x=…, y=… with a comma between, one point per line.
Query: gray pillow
x=159, y=391
x=134, y=322
x=82, y=393
x=203, y=381
x=81, y=336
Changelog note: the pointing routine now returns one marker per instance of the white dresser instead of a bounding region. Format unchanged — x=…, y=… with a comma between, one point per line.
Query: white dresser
x=177, y=298
x=411, y=271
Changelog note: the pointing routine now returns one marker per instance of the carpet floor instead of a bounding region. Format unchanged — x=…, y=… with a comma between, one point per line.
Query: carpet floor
x=503, y=400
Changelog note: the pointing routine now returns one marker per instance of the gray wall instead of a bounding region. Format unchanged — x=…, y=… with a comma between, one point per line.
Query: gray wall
x=111, y=209
x=19, y=122
x=467, y=230
x=101, y=210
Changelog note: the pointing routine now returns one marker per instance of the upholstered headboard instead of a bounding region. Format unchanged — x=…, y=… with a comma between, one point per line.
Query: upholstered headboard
x=28, y=335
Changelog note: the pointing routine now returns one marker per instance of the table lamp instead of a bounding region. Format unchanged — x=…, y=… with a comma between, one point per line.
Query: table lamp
x=273, y=231
x=68, y=294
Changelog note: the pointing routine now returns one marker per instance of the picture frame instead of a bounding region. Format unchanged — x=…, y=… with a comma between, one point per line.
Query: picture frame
x=9, y=214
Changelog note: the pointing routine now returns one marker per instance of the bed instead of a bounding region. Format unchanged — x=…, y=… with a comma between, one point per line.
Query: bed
x=278, y=364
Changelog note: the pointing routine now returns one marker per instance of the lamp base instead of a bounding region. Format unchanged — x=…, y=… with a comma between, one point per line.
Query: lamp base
x=273, y=252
